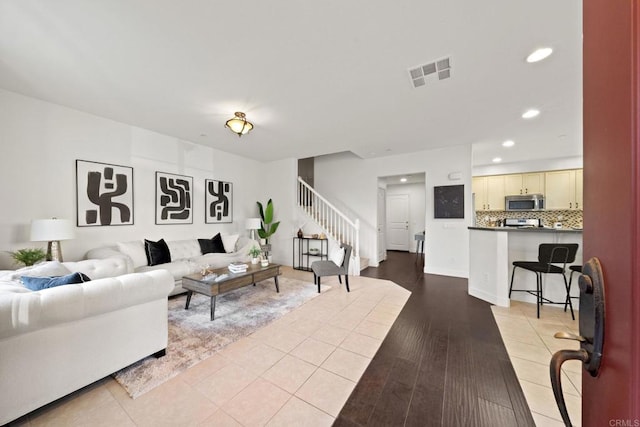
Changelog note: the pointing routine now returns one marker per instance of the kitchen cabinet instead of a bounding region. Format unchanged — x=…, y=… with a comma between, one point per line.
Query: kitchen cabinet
x=489, y=192
x=563, y=189
x=526, y=183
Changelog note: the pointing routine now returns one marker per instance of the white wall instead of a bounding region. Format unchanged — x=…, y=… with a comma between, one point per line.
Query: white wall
x=354, y=181
x=417, y=204
x=40, y=143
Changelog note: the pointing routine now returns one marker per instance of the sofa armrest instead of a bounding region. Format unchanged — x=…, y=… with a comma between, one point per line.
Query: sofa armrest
x=24, y=312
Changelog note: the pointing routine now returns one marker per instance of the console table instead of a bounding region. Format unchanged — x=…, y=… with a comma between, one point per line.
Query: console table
x=304, y=254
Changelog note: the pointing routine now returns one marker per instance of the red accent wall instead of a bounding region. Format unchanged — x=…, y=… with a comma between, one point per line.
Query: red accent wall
x=611, y=201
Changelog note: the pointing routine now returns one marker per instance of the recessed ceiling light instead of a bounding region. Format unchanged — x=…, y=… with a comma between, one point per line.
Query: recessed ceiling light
x=496, y=160
x=539, y=54
x=403, y=179
x=508, y=143
x=530, y=114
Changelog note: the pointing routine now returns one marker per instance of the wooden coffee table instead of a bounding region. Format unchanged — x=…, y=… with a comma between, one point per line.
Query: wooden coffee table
x=211, y=287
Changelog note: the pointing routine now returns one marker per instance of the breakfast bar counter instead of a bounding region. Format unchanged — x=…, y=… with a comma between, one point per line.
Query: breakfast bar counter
x=492, y=250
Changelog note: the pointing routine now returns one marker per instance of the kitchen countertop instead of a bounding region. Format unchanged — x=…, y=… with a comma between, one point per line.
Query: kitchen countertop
x=528, y=229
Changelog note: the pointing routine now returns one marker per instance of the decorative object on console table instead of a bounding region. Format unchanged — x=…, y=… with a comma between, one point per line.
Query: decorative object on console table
x=218, y=202
x=52, y=231
x=448, y=201
x=174, y=199
x=102, y=190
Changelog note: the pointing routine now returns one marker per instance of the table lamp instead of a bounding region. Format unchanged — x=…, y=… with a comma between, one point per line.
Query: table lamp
x=253, y=224
x=52, y=230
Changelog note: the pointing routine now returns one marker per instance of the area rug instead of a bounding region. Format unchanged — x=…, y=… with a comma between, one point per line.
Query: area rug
x=193, y=337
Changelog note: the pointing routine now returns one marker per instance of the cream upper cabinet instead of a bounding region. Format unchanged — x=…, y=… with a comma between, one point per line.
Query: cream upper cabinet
x=563, y=189
x=512, y=184
x=479, y=188
x=526, y=183
x=533, y=183
x=579, y=199
x=489, y=193
x=495, y=193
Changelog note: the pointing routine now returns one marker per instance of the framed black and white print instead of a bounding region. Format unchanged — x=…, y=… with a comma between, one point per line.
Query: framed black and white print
x=448, y=201
x=174, y=199
x=104, y=194
x=218, y=201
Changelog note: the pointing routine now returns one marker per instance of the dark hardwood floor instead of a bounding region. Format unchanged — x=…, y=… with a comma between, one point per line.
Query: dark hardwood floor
x=443, y=362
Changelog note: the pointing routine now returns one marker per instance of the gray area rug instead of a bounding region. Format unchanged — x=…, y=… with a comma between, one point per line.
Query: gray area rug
x=193, y=337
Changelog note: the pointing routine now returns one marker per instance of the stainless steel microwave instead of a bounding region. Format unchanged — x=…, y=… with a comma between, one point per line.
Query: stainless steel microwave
x=524, y=202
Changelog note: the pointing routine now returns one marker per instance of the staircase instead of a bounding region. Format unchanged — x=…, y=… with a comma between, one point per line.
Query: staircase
x=335, y=224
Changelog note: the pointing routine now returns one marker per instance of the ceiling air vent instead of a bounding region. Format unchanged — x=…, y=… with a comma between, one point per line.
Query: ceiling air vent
x=439, y=69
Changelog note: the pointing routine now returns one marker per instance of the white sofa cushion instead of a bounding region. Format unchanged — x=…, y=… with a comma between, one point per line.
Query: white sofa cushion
x=184, y=249
x=176, y=268
x=99, y=268
x=135, y=251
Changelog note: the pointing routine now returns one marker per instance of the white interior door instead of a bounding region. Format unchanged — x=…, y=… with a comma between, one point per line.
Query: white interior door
x=382, y=226
x=398, y=222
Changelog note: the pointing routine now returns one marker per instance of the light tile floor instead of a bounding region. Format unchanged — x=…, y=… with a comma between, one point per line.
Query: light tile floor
x=298, y=370
x=530, y=344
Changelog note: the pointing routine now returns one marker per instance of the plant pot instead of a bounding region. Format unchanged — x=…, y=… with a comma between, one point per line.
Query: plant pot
x=254, y=260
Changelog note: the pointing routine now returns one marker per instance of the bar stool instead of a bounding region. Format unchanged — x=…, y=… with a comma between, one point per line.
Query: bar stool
x=548, y=254
x=419, y=238
x=574, y=269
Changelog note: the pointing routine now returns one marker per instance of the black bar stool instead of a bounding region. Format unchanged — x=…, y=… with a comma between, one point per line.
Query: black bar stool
x=548, y=255
x=574, y=269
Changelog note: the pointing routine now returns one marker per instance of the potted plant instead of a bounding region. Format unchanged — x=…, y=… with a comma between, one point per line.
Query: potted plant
x=268, y=227
x=254, y=253
x=28, y=256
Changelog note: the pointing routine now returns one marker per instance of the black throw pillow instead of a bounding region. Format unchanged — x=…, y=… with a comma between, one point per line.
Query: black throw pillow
x=157, y=252
x=206, y=246
x=218, y=246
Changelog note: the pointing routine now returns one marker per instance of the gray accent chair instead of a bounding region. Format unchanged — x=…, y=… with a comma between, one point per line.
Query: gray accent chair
x=329, y=268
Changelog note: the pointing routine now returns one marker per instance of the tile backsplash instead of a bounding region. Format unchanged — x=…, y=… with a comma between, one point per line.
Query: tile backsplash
x=568, y=218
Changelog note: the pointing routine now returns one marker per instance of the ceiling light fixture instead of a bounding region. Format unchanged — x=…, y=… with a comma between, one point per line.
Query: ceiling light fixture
x=496, y=160
x=403, y=179
x=539, y=54
x=239, y=124
x=508, y=143
x=530, y=114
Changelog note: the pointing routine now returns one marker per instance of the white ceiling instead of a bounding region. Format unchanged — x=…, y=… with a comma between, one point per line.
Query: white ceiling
x=314, y=77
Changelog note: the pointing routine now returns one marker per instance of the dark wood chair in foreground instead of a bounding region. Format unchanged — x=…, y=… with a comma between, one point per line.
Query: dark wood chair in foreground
x=329, y=268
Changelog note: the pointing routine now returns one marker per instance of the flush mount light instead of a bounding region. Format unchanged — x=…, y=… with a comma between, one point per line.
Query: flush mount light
x=496, y=160
x=530, y=114
x=239, y=124
x=508, y=143
x=403, y=179
x=539, y=54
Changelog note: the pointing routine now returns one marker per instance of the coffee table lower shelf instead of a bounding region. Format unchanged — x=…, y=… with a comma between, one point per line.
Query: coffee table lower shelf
x=211, y=288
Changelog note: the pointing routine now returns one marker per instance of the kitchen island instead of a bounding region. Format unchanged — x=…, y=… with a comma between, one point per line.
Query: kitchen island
x=492, y=251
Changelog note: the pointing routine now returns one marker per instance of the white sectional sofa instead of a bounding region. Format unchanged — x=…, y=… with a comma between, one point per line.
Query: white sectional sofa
x=186, y=257
x=58, y=340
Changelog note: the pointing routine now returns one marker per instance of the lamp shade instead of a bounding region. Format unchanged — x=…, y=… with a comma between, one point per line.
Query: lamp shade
x=253, y=224
x=44, y=230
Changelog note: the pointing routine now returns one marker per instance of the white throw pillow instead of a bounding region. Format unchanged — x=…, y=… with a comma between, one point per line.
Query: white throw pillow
x=229, y=242
x=135, y=251
x=337, y=255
